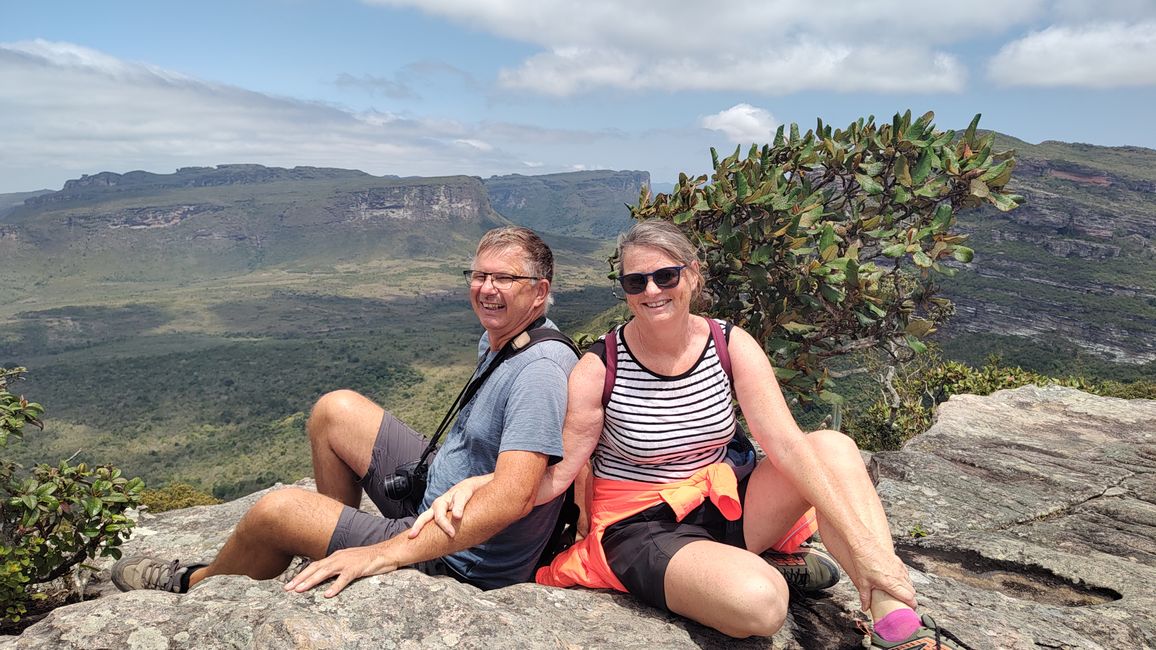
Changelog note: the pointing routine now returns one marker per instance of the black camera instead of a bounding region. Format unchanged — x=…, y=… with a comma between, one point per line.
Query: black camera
x=407, y=483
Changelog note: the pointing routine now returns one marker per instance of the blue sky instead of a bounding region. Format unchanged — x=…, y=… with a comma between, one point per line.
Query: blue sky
x=483, y=87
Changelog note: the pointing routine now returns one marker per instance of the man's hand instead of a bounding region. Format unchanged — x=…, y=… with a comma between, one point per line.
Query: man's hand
x=449, y=507
x=347, y=565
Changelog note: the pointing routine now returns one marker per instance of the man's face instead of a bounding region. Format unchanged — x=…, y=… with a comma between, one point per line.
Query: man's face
x=506, y=312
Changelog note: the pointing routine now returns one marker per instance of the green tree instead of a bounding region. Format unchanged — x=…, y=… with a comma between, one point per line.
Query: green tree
x=52, y=518
x=829, y=242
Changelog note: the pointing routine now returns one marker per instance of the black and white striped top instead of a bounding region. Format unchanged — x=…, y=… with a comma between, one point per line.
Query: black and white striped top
x=660, y=429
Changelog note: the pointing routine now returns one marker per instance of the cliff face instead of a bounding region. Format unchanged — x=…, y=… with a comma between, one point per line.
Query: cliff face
x=237, y=218
x=582, y=204
x=1076, y=262
x=1034, y=505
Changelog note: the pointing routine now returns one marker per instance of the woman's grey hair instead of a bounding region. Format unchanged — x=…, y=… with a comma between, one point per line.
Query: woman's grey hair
x=539, y=257
x=664, y=236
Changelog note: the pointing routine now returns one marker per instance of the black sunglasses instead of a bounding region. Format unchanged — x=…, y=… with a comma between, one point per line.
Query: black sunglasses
x=665, y=278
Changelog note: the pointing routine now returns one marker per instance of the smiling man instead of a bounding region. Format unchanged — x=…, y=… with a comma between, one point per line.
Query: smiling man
x=511, y=426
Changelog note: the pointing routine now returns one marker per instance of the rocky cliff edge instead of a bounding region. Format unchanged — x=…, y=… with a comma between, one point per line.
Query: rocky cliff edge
x=1028, y=519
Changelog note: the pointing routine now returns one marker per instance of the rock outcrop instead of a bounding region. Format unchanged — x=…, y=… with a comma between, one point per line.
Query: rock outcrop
x=1028, y=519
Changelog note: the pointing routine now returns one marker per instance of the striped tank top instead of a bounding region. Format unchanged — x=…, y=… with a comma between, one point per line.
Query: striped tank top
x=659, y=429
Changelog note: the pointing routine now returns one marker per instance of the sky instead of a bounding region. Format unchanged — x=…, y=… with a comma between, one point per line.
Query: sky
x=486, y=87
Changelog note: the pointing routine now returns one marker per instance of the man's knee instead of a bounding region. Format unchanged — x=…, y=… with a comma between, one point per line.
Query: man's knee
x=293, y=520
x=271, y=509
x=332, y=408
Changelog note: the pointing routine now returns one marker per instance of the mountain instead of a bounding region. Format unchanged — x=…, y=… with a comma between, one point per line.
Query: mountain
x=184, y=323
x=11, y=201
x=1072, y=272
x=214, y=222
x=590, y=203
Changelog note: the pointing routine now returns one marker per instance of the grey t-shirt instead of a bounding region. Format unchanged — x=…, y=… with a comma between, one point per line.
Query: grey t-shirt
x=520, y=407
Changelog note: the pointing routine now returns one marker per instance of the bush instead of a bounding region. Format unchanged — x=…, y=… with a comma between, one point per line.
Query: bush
x=176, y=496
x=921, y=385
x=826, y=243
x=52, y=518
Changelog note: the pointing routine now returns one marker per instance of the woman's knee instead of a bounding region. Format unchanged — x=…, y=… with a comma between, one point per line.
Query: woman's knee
x=832, y=444
x=762, y=601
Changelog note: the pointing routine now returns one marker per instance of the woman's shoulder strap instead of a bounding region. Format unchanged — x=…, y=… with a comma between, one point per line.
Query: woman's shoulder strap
x=721, y=338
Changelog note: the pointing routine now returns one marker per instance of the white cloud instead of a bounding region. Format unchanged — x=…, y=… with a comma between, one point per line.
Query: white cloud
x=743, y=124
x=67, y=110
x=475, y=144
x=763, y=46
x=1103, y=55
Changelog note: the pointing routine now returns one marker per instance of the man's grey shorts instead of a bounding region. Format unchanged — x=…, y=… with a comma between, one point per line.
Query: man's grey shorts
x=396, y=444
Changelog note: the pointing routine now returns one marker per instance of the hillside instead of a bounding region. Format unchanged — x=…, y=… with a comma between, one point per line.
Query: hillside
x=585, y=204
x=1070, y=277
x=182, y=324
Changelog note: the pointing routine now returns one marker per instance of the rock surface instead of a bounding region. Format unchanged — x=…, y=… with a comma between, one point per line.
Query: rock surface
x=1039, y=508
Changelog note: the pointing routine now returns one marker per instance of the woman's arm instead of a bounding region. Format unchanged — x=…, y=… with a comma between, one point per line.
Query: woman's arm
x=580, y=432
x=582, y=427
x=785, y=444
x=771, y=422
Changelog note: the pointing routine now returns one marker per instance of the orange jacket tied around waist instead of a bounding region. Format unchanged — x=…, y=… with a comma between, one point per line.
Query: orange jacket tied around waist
x=585, y=563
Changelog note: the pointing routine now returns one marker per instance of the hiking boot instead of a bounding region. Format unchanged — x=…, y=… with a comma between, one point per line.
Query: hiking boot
x=928, y=637
x=809, y=570
x=149, y=573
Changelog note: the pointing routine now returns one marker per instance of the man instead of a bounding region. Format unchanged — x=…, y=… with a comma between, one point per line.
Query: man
x=512, y=427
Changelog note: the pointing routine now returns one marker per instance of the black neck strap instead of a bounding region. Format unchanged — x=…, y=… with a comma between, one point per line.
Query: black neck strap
x=512, y=347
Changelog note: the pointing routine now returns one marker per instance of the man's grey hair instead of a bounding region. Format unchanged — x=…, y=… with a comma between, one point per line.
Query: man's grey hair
x=539, y=257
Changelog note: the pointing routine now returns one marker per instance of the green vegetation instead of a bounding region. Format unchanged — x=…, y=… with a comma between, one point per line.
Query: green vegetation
x=590, y=203
x=52, y=518
x=175, y=496
x=223, y=409
x=929, y=380
x=824, y=244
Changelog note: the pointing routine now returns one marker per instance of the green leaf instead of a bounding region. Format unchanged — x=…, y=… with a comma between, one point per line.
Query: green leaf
x=922, y=168
x=963, y=254
x=921, y=259
x=830, y=397
x=979, y=189
x=915, y=344
x=785, y=373
x=827, y=238
x=1005, y=202
x=969, y=135
x=942, y=219
x=902, y=171
x=798, y=328
x=895, y=250
x=869, y=185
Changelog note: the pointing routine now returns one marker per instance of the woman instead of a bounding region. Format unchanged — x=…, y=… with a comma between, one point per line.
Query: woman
x=670, y=522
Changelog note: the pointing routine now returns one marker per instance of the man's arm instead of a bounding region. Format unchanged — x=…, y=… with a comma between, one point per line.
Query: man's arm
x=501, y=502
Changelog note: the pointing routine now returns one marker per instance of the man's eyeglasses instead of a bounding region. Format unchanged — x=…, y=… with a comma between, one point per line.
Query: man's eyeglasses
x=665, y=278
x=499, y=280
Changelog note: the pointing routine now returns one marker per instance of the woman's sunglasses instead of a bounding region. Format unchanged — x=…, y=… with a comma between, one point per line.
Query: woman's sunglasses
x=665, y=278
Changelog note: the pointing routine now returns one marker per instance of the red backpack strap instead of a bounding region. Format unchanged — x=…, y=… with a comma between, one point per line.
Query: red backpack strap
x=611, y=360
x=720, y=346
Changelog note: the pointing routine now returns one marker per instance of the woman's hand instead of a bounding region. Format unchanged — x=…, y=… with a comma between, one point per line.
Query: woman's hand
x=450, y=506
x=346, y=565
x=879, y=569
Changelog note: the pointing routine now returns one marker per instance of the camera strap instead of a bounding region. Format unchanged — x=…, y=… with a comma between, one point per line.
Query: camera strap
x=531, y=335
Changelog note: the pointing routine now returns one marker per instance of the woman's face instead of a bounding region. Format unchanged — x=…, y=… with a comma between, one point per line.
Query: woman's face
x=655, y=304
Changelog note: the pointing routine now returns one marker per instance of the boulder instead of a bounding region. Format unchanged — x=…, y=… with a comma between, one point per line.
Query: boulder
x=1027, y=519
